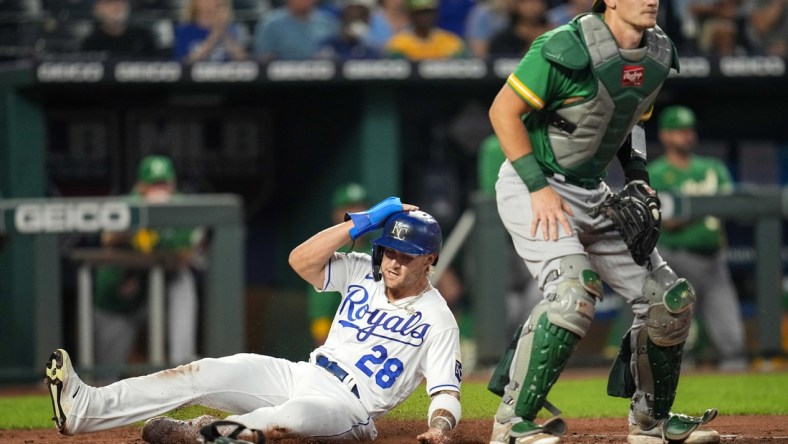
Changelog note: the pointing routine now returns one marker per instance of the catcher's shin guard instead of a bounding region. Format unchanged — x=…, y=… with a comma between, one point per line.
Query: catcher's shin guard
x=653, y=350
x=548, y=339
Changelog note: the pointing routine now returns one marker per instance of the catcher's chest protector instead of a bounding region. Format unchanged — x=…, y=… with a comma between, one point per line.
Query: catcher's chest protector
x=627, y=84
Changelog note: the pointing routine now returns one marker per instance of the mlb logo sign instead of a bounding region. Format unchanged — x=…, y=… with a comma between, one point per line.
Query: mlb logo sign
x=632, y=75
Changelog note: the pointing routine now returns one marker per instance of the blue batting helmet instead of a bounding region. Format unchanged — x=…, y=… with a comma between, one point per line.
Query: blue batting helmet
x=410, y=232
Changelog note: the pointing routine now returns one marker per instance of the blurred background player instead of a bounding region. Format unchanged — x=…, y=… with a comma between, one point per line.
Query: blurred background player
x=321, y=306
x=696, y=248
x=120, y=293
x=522, y=291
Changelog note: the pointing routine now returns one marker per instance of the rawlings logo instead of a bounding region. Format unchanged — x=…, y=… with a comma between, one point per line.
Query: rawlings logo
x=632, y=75
x=400, y=230
x=408, y=331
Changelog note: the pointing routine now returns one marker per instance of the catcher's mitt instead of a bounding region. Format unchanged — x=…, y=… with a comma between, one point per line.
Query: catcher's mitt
x=635, y=213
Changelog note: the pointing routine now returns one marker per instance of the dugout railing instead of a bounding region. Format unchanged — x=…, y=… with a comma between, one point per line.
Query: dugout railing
x=33, y=325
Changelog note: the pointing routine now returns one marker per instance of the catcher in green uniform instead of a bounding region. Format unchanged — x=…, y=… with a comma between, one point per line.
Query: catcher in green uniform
x=571, y=107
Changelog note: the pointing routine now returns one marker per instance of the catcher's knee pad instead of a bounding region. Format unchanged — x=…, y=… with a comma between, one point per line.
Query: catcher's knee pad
x=570, y=302
x=670, y=300
x=556, y=324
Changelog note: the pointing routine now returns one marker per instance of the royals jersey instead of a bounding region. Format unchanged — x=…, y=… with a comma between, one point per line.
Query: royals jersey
x=389, y=349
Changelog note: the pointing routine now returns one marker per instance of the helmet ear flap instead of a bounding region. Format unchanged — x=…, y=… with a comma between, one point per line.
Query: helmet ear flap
x=377, y=258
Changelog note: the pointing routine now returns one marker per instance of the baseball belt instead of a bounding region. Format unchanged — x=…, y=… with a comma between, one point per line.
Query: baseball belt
x=334, y=368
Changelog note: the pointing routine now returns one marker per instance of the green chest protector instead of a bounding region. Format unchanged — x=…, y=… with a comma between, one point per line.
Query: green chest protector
x=586, y=135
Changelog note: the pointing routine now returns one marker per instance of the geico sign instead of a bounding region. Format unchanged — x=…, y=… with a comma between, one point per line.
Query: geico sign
x=67, y=217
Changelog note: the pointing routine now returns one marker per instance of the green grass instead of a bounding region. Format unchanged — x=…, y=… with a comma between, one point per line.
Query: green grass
x=735, y=394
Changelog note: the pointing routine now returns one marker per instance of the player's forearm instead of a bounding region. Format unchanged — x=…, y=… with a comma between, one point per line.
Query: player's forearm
x=310, y=258
x=445, y=411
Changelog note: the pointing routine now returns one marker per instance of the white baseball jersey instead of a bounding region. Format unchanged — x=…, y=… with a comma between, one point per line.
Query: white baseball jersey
x=389, y=348
x=386, y=349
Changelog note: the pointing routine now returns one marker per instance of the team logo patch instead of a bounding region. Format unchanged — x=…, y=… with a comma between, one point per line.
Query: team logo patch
x=400, y=230
x=632, y=75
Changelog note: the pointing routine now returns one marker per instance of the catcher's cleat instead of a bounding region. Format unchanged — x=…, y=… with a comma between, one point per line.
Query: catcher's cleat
x=64, y=385
x=676, y=429
x=502, y=434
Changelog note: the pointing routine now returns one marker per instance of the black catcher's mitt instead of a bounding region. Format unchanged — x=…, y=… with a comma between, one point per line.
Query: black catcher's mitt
x=635, y=212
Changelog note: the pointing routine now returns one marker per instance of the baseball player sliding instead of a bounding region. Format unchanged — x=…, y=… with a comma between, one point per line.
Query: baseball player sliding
x=392, y=330
x=571, y=106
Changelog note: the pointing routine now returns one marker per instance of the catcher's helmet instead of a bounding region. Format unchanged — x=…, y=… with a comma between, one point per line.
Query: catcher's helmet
x=411, y=232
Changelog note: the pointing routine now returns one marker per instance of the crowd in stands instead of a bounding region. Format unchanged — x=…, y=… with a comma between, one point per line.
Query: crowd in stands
x=224, y=30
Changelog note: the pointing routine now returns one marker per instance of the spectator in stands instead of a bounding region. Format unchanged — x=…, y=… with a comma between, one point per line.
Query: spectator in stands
x=453, y=15
x=347, y=198
x=208, y=33
x=351, y=43
x=528, y=21
x=388, y=19
x=767, y=26
x=720, y=37
x=295, y=30
x=696, y=248
x=486, y=19
x=700, y=18
x=120, y=293
x=563, y=13
x=115, y=35
x=424, y=40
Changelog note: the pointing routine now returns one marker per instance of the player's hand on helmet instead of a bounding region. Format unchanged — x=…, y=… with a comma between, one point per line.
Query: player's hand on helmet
x=433, y=436
x=549, y=210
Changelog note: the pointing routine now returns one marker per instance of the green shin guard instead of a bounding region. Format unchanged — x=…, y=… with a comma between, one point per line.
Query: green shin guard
x=658, y=369
x=664, y=363
x=550, y=350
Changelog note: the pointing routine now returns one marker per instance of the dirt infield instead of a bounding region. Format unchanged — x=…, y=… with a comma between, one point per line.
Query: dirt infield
x=734, y=429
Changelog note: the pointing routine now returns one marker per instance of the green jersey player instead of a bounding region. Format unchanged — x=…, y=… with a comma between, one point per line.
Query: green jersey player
x=571, y=106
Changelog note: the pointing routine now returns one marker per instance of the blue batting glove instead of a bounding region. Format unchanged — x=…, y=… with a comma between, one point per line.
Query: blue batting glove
x=374, y=218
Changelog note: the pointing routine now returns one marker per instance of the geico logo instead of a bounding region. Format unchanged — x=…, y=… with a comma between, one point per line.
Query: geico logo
x=68, y=217
x=376, y=69
x=70, y=72
x=457, y=69
x=225, y=72
x=148, y=71
x=503, y=67
x=307, y=70
x=752, y=66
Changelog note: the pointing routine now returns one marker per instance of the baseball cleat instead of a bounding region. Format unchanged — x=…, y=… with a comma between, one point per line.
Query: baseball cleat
x=230, y=432
x=678, y=429
x=63, y=384
x=165, y=430
x=501, y=434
